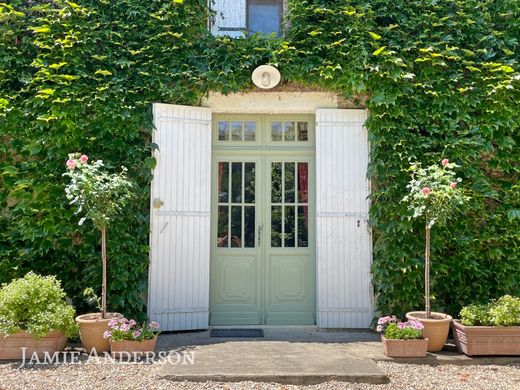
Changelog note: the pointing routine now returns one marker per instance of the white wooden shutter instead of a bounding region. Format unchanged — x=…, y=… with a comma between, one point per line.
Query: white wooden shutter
x=229, y=18
x=180, y=228
x=343, y=244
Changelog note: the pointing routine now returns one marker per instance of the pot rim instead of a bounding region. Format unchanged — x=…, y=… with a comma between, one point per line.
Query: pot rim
x=414, y=315
x=139, y=341
x=385, y=339
x=87, y=318
x=457, y=323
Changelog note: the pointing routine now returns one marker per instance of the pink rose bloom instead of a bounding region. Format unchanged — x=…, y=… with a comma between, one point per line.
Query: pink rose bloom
x=453, y=184
x=83, y=158
x=445, y=162
x=136, y=334
x=71, y=164
x=426, y=191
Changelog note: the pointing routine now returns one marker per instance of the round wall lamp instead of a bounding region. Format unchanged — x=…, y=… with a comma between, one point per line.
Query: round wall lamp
x=266, y=77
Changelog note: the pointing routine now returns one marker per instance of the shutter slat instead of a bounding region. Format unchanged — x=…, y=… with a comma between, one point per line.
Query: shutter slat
x=229, y=18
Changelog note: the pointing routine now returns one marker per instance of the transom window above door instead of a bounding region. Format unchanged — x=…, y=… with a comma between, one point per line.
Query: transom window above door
x=292, y=131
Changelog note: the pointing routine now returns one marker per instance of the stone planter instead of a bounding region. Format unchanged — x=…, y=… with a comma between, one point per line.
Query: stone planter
x=91, y=329
x=435, y=329
x=11, y=346
x=486, y=340
x=404, y=348
x=128, y=349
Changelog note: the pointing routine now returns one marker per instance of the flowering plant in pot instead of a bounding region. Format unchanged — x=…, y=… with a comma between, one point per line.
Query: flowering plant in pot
x=99, y=196
x=489, y=329
x=402, y=339
x=130, y=338
x=433, y=195
x=34, y=314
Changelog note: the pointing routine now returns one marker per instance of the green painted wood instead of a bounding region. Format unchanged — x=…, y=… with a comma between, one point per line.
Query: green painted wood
x=261, y=284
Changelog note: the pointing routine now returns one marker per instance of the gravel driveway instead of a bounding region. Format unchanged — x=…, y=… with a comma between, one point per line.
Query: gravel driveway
x=142, y=376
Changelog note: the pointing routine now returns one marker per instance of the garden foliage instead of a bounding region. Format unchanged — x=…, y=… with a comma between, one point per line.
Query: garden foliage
x=504, y=311
x=441, y=79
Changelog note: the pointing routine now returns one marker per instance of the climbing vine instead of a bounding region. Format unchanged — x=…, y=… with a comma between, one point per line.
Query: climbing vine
x=440, y=77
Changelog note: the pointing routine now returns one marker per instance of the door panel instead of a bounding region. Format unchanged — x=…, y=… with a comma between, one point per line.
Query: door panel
x=236, y=266
x=290, y=276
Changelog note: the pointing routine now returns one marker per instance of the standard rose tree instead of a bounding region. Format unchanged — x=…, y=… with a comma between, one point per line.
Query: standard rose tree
x=98, y=196
x=434, y=196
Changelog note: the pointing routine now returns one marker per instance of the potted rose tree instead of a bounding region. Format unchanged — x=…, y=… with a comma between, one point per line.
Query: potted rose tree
x=433, y=196
x=98, y=196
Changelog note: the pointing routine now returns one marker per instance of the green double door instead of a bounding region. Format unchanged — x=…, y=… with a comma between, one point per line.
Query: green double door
x=263, y=250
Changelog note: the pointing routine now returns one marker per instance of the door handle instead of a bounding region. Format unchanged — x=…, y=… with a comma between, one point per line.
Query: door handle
x=260, y=228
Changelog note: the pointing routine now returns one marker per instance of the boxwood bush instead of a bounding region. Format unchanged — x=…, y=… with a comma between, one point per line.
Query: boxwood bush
x=35, y=304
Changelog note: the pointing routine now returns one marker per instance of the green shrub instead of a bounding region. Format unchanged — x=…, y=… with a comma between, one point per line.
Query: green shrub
x=503, y=312
x=394, y=332
x=35, y=304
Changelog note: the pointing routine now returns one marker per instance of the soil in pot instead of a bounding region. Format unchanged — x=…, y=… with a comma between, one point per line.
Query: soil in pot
x=435, y=329
x=91, y=329
x=17, y=345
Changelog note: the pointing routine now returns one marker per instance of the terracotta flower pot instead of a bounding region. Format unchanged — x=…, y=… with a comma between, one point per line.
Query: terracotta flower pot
x=11, y=346
x=486, y=340
x=404, y=348
x=131, y=348
x=91, y=329
x=435, y=329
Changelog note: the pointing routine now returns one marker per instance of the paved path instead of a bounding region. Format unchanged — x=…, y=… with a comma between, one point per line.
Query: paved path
x=291, y=355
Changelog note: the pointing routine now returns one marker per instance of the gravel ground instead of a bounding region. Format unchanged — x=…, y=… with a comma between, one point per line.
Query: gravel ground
x=142, y=376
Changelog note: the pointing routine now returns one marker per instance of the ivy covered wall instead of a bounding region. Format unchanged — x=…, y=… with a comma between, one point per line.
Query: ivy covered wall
x=441, y=79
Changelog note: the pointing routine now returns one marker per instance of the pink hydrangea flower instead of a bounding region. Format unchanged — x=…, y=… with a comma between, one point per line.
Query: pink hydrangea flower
x=445, y=162
x=426, y=191
x=83, y=158
x=107, y=334
x=453, y=184
x=71, y=164
x=136, y=334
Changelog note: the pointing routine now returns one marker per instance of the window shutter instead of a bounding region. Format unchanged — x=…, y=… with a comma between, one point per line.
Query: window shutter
x=229, y=17
x=342, y=234
x=178, y=296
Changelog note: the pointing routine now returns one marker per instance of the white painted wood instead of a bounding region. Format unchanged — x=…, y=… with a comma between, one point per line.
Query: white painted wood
x=229, y=18
x=178, y=296
x=343, y=247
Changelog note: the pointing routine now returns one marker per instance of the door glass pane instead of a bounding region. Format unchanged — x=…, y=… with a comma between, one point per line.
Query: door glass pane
x=276, y=182
x=276, y=131
x=249, y=184
x=249, y=131
x=290, y=225
x=223, y=131
x=303, y=184
x=222, y=226
x=288, y=131
x=223, y=182
x=236, y=182
x=249, y=226
x=236, y=226
x=289, y=182
x=303, y=226
x=276, y=226
x=236, y=131
x=303, y=131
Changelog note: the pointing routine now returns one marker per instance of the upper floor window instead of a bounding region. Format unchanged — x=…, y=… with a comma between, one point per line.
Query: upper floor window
x=238, y=17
